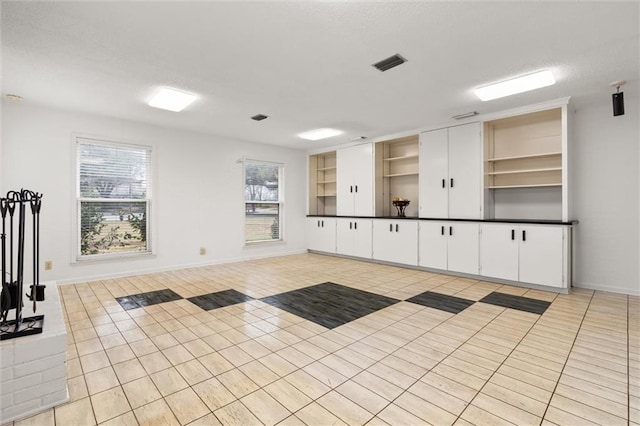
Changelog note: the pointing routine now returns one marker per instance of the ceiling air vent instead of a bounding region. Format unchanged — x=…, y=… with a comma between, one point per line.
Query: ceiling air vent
x=259, y=117
x=390, y=62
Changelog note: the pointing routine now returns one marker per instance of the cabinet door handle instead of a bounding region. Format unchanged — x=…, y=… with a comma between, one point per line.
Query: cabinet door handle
x=442, y=230
x=351, y=188
x=318, y=224
x=451, y=230
x=513, y=234
x=396, y=227
x=444, y=183
x=451, y=183
x=356, y=188
x=355, y=225
x=350, y=225
x=391, y=227
x=524, y=235
x=323, y=223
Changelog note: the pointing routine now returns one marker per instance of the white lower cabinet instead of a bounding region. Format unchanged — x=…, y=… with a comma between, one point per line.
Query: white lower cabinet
x=321, y=234
x=450, y=246
x=533, y=254
x=395, y=241
x=526, y=253
x=354, y=237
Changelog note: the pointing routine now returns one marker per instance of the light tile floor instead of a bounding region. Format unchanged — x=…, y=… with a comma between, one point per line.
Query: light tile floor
x=251, y=363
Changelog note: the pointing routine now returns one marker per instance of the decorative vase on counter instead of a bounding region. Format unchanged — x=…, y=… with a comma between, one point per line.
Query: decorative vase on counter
x=400, y=204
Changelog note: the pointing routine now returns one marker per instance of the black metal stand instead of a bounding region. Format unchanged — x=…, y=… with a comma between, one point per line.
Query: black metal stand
x=11, y=296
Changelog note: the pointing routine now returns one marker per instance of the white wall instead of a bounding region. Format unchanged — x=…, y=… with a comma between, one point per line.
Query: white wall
x=606, y=195
x=198, y=190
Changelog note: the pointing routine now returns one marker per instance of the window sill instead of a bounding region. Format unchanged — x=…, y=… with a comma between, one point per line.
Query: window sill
x=112, y=257
x=264, y=242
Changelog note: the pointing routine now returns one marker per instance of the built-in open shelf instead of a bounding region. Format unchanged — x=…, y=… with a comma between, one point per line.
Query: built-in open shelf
x=510, y=172
x=526, y=186
x=322, y=183
x=403, y=157
x=396, y=167
x=521, y=157
x=401, y=174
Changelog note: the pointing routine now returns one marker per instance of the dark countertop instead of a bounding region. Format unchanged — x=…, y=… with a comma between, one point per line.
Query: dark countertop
x=525, y=221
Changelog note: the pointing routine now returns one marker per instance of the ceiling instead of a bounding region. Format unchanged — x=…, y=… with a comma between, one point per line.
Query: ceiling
x=308, y=64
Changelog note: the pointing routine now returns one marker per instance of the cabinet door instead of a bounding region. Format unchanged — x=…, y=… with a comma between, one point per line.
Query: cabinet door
x=464, y=171
x=433, y=178
x=344, y=236
x=382, y=239
x=344, y=182
x=433, y=245
x=362, y=168
x=499, y=252
x=362, y=238
x=354, y=187
x=463, y=249
x=541, y=255
x=395, y=241
x=322, y=234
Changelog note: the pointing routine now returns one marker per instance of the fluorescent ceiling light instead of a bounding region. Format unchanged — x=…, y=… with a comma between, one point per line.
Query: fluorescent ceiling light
x=317, y=134
x=171, y=99
x=515, y=85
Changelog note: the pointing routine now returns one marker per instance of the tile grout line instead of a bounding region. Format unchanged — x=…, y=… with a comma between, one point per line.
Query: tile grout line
x=568, y=355
x=437, y=363
x=501, y=364
x=318, y=360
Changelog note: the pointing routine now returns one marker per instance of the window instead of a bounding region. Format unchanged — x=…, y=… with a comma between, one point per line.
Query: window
x=113, y=198
x=262, y=201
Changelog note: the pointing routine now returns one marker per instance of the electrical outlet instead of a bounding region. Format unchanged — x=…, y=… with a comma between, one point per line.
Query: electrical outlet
x=48, y=265
x=203, y=251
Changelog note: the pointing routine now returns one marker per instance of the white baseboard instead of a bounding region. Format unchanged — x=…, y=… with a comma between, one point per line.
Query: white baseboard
x=172, y=268
x=608, y=288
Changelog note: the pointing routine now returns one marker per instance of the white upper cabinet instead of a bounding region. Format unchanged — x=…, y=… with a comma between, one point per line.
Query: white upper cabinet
x=450, y=172
x=355, y=180
x=434, y=174
x=465, y=183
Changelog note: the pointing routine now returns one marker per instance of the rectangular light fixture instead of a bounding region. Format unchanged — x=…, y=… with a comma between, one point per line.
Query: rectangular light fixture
x=317, y=134
x=171, y=99
x=515, y=85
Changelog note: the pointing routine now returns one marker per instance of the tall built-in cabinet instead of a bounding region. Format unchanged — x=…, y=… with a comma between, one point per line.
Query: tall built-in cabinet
x=450, y=177
x=488, y=199
x=355, y=180
x=397, y=169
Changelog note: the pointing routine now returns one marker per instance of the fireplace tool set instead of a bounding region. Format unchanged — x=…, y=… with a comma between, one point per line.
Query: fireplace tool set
x=13, y=249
